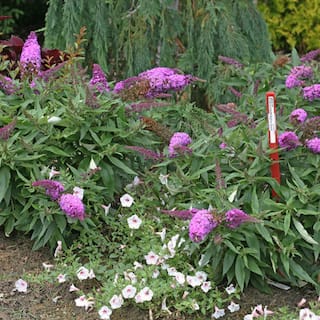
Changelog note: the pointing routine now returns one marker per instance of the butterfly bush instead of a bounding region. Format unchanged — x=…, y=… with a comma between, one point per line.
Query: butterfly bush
x=289, y=140
x=313, y=145
x=235, y=217
x=53, y=188
x=298, y=73
x=298, y=116
x=72, y=206
x=99, y=80
x=7, y=85
x=6, y=130
x=30, y=58
x=178, y=142
x=201, y=224
x=311, y=92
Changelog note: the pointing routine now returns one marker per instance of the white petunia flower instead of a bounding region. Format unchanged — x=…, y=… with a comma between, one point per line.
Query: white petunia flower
x=21, y=286
x=162, y=234
x=129, y=292
x=193, y=281
x=134, y=222
x=105, y=313
x=233, y=307
x=172, y=271
x=201, y=275
x=53, y=172
x=206, y=286
x=78, y=192
x=164, y=179
x=92, y=165
x=106, y=208
x=180, y=277
x=58, y=249
x=195, y=305
x=83, y=273
x=62, y=278
x=218, y=313
x=82, y=301
x=116, y=301
x=146, y=294
x=126, y=201
x=155, y=274
x=73, y=288
x=230, y=289
x=151, y=258
x=130, y=276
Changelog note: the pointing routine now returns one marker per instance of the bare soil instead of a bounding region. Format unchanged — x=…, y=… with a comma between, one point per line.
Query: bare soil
x=17, y=259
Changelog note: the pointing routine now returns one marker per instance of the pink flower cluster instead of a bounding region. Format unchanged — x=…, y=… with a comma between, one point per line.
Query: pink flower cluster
x=99, y=80
x=296, y=75
x=289, y=140
x=178, y=144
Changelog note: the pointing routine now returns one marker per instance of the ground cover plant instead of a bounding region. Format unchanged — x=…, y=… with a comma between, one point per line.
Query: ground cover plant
x=146, y=199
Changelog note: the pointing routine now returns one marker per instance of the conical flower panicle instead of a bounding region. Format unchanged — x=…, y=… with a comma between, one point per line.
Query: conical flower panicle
x=99, y=80
x=181, y=214
x=6, y=130
x=147, y=153
x=160, y=130
x=72, y=206
x=310, y=128
x=53, y=188
x=30, y=58
x=235, y=217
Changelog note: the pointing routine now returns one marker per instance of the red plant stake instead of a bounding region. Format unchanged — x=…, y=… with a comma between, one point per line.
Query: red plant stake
x=273, y=137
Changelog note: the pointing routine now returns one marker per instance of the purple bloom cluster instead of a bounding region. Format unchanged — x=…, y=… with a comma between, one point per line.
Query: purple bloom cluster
x=312, y=92
x=53, y=188
x=289, y=140
x=235, y=217
x=164, y=79
x=7, y=85
x=181, y=214
x=147, y=153
x=99, y=80
x=296, y=74
x=230, y=61
x=201, y=224
x=30, y=58
x=72, y=206
x=298, y=116
x=235, y=92
x=126, y=84
x=313, y=145
x=178, y=143
x=310, y=55
x=6, y=130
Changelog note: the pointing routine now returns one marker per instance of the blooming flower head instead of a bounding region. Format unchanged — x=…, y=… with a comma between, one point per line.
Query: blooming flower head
x=129, y=292
x=21, y=285
x=30, y=58
x=126, y=200
x=233, y=307
x=289, y=140
x=218, y=313
x=82, y=301
x=134, y=222
x=181, y=214
x=298, y=116
x=206, y=286
x=143, y=295
x=178, y=142
x=194, y=281
x=311, y=55
x=72, y=206
x=313, y=145
x=116, y=301
x=7, y=85
x=151, y=258
x=105, y=313
x=201, y=224
x=230, y=61
x=235, y=217
x=99, y=80
x=61, y=278
x=312, y=92
x=6, y=130
x=53, y=188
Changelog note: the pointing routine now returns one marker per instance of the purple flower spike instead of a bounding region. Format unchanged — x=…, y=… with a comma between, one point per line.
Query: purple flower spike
x=310, y=55
x=231, y=61
x=289, y=140
x=312, y=92
x=298, y=116
x=201, y=224
x=7, y=85
x=313, y=145
x=235, y=217
x=181, y=214
x=72, y=206
x=178, y=142
x=99, y=80
x=53, y=188
x=6, y=130
x=30, y=58
x=147, y=153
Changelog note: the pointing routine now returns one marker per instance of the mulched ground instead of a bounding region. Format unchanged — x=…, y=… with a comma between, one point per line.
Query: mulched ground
x=17, y=258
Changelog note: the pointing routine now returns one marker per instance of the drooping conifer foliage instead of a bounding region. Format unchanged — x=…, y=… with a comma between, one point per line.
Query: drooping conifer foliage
x=127, y=37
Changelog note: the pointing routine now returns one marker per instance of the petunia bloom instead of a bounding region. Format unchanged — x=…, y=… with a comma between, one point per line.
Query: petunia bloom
x=289, y=140
x=105, y=313
x=134, y=222
x=129, y=292
x=21, y=286
x=72, y=206
x=201, y=224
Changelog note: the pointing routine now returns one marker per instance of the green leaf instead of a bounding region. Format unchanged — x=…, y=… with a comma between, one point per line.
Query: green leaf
x=286, y=223
x=263, y=232
x=240, y=272
x=121, y=165
x=57, y=151
x=4, y=181
x=228, y=260
x=303, y=232
x=61, y=222
x=255, y=205
x=253, y=266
